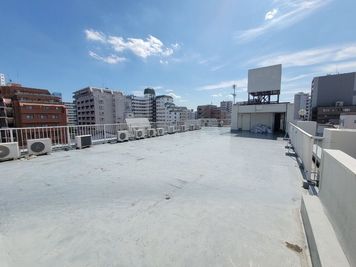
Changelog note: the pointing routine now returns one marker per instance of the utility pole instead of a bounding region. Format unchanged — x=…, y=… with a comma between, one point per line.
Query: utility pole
x=234, y=94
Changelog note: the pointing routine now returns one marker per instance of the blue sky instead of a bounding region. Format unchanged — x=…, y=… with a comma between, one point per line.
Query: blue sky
x=193, y=50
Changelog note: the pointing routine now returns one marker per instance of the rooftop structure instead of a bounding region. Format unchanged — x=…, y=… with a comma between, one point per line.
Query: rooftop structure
x=136, y=204
x=263, y=84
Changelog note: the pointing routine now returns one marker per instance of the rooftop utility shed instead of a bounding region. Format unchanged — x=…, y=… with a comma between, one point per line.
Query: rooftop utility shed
x=276, y=116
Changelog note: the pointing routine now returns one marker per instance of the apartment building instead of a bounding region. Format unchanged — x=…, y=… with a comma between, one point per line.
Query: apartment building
x=98, y=106
x=332, y=92
x=225, y=111
x=71, y=113
x=192, y=115
x=302, y=104
x=208, y=111
x=6, y=113
x=2, y=79
x=30, y=107
x=142, y=106
x=226, y=106
x=164, y=103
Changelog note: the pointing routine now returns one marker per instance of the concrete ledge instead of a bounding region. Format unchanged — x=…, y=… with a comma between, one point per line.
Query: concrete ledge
x=324, y=247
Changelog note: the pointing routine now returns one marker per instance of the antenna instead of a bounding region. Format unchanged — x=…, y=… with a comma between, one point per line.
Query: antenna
x=234, y=94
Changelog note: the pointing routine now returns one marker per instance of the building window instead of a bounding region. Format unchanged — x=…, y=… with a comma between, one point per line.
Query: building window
x=42, y=116
x=29, y=116
x=54, y=116
x=28, y=107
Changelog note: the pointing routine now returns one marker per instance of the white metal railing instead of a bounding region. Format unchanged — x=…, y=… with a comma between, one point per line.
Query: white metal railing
x=303, y=144
x=64, y=136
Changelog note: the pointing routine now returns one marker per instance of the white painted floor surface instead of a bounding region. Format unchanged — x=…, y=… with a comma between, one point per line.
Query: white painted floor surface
x=202, y=198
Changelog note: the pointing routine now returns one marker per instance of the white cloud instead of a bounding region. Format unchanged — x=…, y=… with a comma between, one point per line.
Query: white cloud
x=112, y=59
x=95, y=35
x=242, y=84
x=217, y=95
x=309, y=57
x=174, y=95
x=346, y=66
x=218, y=67
x=169, y=91
x=271, y=14
x=289, y=12
x=143, y=48
x=176, y=46
x=137, y=93
x=163, y=62
x=298, y=77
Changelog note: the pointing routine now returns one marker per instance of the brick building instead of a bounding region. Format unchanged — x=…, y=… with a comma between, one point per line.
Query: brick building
x=212, y=112
x=30, y=107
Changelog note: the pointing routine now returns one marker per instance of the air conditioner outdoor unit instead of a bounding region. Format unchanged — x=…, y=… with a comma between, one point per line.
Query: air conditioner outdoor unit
x=122, y=136
x=151, y=132
x=171, y=129
x=139, y=134
x=39, y=146
x=160, y=131
x=191, y=127
x=197, y=127
x=182, y=128
x=9, y=151
x=83, y=141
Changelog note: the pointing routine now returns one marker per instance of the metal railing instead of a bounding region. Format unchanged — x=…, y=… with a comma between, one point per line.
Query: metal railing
x=64, y=136
x=306, y=147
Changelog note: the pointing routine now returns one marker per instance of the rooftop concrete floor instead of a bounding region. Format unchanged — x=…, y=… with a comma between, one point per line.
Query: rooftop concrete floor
x=202, y=198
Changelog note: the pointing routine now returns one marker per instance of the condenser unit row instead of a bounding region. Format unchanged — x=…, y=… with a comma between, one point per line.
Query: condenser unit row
x=34, y=147
x=44, y=145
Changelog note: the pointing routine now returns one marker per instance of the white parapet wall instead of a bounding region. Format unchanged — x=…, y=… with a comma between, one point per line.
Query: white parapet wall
x=342, y=139
x=302, y=143
x=308, y=126
x=338, y=196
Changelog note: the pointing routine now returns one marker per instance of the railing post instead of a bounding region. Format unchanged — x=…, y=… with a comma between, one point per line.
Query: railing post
x=104, y=133
x=11, y=136
x=68, y=136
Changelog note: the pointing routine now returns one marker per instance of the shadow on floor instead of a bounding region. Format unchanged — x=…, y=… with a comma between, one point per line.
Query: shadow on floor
x=248, y=134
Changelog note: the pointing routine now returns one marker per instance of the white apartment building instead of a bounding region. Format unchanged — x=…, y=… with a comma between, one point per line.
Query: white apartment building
x=164, y=103
x=71, y=113
x=2, y=79
x=192, y=115
x=98, y=106
x=226, y=106
x=302, y=101
x=141, y=106
x=167, y=112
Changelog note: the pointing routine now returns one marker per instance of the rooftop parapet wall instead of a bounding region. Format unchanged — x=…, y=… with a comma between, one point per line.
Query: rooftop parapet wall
x=308, y=126
x=337, y=194
x=342, y=139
